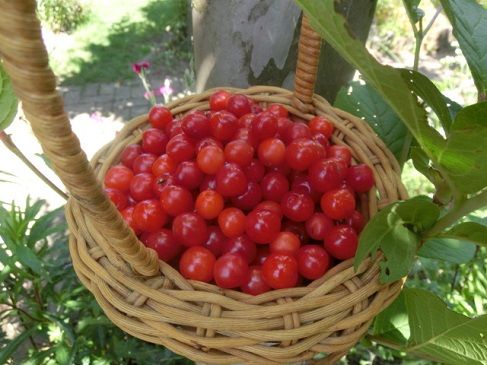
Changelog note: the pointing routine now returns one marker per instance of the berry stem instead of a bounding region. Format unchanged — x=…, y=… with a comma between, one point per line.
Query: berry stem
x=8, y=142
x=147, y=87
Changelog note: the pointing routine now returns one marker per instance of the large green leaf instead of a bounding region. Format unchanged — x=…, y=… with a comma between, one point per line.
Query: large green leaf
x=8, y=101
x=469, y=21
x=447, y=336
x=426, y=90
x=387, y=80
x=451, y=250
x=363, y=101
x=470, y=231
x=465, y=155
x=414, y=13
x=435, y=332
x=394, y=231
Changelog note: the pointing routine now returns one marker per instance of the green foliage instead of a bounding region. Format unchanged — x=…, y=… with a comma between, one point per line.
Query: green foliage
x=420, y=323
x=8, y=101
x=60, y=322
x=451, y=250
x=469, y=21
x=61, y=15
x=363, y=101
x=395, y=232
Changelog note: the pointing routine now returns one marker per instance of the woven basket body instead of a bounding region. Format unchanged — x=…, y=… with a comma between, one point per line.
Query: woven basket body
x=149, y=299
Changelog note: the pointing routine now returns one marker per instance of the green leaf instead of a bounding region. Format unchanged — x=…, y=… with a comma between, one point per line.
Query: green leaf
x=469, y=231
x=427, y=91
x=435, y=332
x=419, y=211
x=386, y=232
x=445, y=249
x=363, y=101
x=45, y=226
x=392, y=323
x=465, y=155
x=386, y=80
x=439, y=333
x=13, y=345
x=394, y=232
x=469, y=22
x=28, y=258
x=8, y=101
x=453, y=107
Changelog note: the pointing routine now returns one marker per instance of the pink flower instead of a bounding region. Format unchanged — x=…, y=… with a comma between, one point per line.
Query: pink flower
x=166, y=90
x=139, y=66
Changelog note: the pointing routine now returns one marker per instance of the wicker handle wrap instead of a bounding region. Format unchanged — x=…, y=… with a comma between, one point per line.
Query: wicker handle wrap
x=26, y=62
x=306, y=67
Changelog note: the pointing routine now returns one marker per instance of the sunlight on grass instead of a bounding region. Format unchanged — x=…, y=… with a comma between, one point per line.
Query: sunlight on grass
x=117, y=33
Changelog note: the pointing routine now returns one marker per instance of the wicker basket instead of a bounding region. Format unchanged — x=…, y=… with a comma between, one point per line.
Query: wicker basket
x=148, y=298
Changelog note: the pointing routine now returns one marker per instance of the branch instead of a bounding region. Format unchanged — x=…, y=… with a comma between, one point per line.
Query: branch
x=9, y=143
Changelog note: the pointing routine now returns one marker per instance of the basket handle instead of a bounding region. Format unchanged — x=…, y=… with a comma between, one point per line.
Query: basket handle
x=306, y=67
x=26, y=62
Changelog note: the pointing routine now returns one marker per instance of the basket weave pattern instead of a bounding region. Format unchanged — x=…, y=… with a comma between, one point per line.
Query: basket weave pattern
x=216, y=326
x=148, y=298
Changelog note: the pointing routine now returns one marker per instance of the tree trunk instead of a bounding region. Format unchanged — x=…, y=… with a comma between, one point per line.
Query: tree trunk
x=254, y=42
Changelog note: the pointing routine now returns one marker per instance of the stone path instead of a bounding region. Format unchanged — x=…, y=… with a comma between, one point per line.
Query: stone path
x=123, y=100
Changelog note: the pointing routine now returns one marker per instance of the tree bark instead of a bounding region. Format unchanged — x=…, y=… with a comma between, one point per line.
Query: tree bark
x=254, y=42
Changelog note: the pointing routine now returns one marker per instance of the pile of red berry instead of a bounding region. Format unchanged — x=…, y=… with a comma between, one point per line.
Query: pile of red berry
x=242, y=196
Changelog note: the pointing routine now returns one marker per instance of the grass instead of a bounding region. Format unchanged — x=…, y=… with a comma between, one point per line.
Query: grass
x=119, y=33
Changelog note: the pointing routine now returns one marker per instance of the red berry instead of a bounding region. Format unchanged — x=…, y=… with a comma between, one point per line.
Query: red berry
x=118, y=177
x=313, y=261
x=241, y=245
x=301, y=184
x=239, y=152
x=231, y=271
x=301, y=153
x=274, y=185
x=238, y=105
x=180, y=148
x=322, y=125
x=250, y=198
x=141, y=187
x=232, y=222
x=190, y=229
x=278, y=110
x=264, y=126
x=223, y=125
x=159, y=116
x=210, y=159
x=188, y=175
x=341, y=242
x=296, y=206
x=255, y=285
x=215, y=241
x=128, y=217
x=254, y=171
x=262, y=254
x=282, y=126
x=208, y=183
x=340, y=152
x=338, y=204
x=271, y=206
x=197, y=263
x=286, y=243
x=143, y=163
x=296, y=131
x=272, y=152
x=207, y=141
x=117, y=197
x=280, y=271
x=231, y=180
x=163, y=165
x=209, y=204
x=176, y=200
x=245, y=121
x=129, y=154
x=360, y=178
x=263, y=226
x=163, y=242
x=219, y=100
x=154, y=141
x=196, y=125
x=356, y=221
x=297, y=228
x=318, y=225
x=149, y=216
x=173, y=128
x=324, y=175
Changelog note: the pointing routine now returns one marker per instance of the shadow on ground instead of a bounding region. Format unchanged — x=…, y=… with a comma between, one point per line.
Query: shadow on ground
x=160, y=37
